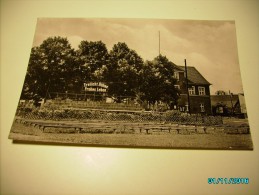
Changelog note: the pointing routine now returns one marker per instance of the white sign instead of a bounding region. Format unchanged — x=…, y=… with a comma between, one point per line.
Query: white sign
x=95, y=86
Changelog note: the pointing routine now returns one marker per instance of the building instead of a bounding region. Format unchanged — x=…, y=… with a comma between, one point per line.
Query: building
x=198, y=90
x=229, y=105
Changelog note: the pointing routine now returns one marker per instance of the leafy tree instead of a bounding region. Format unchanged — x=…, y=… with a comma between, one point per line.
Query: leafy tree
x=157, y=82
x=36, y=79
x=122, y=72
x=59, y=62
x=220, y=92
x=50, y=68
x=55, y=67
x=93, y=58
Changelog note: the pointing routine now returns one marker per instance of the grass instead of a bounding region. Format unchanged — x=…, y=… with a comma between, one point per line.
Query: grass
x=218, y=140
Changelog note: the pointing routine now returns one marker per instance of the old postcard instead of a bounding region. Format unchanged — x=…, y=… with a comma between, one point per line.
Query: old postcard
x=149, y=83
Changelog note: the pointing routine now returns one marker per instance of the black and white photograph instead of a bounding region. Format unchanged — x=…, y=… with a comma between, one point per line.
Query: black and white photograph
x=151, y=83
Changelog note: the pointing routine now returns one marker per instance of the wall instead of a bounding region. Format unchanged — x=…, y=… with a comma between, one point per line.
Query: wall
x=196, y=101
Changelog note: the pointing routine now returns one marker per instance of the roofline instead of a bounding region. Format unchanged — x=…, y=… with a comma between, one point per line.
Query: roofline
x=178, y=67
x=198, y=83
x=197, y=71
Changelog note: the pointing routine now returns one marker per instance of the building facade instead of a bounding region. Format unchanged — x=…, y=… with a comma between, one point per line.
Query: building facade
x=194, y=91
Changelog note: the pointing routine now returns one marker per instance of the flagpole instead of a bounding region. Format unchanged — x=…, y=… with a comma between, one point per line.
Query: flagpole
x=159, y=42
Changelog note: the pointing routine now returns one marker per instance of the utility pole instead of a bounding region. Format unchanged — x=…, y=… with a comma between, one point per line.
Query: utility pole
x=187, y=85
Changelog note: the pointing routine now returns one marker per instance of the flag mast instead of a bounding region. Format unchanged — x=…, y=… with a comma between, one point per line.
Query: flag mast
x=159, y=42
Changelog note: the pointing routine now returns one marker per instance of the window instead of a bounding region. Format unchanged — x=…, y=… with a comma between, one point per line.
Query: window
x=177, y=86
x=176, y=75
x=220, y=110
x=191, y=90
x=201, y=90
x=202, y=107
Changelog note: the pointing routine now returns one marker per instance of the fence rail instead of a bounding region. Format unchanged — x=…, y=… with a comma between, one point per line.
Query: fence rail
x=108, y=115
x=92, y=104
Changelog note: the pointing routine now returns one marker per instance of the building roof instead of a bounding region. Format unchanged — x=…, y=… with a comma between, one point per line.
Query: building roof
x=194, y=76
x=224, y=99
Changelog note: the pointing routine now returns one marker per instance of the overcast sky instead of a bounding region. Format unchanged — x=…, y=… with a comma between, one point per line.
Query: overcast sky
x=209, y=46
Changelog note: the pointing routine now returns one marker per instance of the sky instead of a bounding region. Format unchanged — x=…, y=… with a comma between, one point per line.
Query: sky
x=209, y=46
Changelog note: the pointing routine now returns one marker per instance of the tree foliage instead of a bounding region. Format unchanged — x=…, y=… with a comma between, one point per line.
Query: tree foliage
x=93, y=58
x=157, y=82
x=58, y=58
x=55, y=67
x=50, y=66
x=220, y=92
x=123, y=70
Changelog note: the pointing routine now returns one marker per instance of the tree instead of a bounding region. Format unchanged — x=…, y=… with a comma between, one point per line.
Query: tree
x=50, y=68
x=59, y=62
x=122, y=72
x=220, y=92
x=36, y=78
x=93, y=58
x=157, y=82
